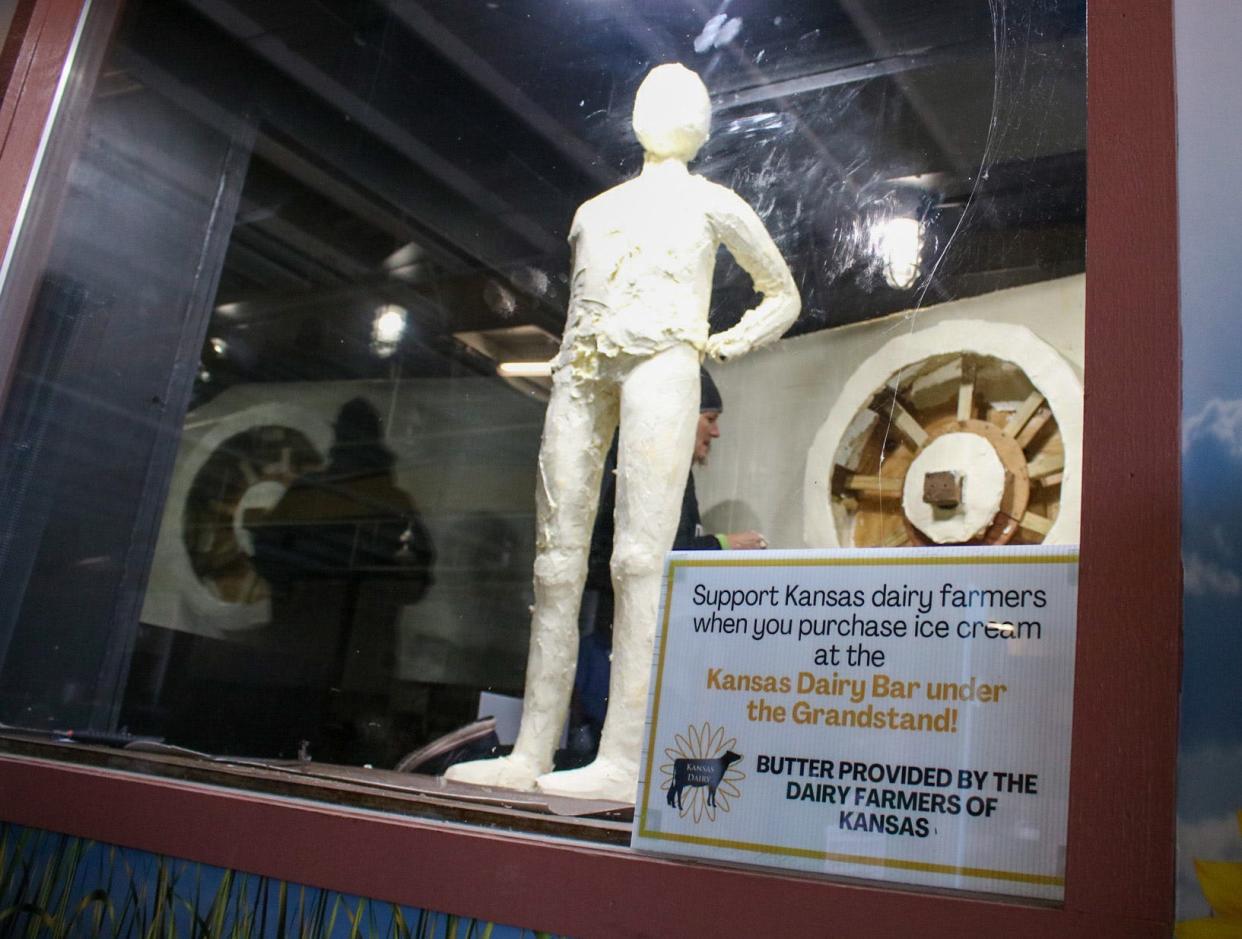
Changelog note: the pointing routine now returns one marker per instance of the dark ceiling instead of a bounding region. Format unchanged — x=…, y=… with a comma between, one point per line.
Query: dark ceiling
x=431, y=153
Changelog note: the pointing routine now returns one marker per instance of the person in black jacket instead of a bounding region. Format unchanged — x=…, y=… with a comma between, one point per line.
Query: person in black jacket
x=590, y=699
x=343, y=551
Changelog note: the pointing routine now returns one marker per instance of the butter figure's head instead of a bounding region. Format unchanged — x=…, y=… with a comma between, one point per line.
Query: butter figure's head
x=672, y=113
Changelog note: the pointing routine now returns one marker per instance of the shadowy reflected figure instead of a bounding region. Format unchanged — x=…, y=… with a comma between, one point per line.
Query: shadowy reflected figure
x=344, y=550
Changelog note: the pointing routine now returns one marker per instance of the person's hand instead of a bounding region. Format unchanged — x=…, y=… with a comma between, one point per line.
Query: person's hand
x=724, y=346
x=746, y=541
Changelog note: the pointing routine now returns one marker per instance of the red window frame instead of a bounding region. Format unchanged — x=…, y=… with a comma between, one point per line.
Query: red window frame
x=1120, y=855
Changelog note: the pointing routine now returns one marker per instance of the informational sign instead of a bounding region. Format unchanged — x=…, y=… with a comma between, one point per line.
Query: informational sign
x=898, y=715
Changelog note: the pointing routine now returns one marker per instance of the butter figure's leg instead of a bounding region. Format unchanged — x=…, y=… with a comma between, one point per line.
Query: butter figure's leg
x=577, y=432
x=659, y=412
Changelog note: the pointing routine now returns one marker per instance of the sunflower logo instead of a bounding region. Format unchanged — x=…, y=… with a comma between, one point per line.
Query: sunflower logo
x=701, y=776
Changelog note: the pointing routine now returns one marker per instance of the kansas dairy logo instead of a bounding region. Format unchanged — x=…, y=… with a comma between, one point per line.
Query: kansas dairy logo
x=702, y=775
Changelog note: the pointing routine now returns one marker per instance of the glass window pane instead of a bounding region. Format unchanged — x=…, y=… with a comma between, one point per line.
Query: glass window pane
x=272, y=448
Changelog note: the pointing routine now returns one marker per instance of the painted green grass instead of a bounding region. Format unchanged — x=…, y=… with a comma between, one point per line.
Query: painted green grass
x=55, y=886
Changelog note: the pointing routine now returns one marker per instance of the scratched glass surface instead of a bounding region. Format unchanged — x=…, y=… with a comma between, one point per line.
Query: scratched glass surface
x=275, y=208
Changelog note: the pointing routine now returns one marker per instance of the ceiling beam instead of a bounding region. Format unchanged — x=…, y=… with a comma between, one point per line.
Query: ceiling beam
x=479, y=71
x=449, y=173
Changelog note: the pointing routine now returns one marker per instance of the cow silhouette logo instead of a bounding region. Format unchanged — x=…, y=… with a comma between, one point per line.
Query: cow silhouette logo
x=702, y=775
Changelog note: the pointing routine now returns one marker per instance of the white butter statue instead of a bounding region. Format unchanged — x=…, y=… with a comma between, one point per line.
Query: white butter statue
x=644, y=252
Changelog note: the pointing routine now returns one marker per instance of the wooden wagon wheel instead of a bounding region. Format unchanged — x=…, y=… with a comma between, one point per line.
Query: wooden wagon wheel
x=960, y=446
x=247, y=474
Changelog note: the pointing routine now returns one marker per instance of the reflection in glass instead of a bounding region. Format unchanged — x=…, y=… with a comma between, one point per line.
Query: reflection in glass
x=277, y=211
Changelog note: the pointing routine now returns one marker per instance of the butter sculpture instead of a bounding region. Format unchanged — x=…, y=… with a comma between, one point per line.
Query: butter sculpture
x=637, y=329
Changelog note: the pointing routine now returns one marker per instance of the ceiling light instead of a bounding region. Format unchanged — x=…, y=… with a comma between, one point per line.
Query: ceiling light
x=524, y=369
x=898, y=243
x=387, y=328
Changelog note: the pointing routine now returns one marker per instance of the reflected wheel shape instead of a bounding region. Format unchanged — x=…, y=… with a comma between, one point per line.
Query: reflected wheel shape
x=246, y=475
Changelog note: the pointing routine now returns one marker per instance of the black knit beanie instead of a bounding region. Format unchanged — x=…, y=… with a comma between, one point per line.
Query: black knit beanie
x=709, y=394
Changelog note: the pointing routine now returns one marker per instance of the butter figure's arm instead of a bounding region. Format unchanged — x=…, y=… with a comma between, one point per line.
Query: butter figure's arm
x=743, y=233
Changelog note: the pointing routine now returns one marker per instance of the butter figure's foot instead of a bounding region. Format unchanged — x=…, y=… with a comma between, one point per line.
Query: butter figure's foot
x=505, y=772
x=607, y=779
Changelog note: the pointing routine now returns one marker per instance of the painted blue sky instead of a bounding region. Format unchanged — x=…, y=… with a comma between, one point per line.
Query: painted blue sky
x=1209, y=73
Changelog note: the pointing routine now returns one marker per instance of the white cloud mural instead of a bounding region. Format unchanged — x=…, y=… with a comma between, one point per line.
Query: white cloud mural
x=1219, y=420
x=1202, y=576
